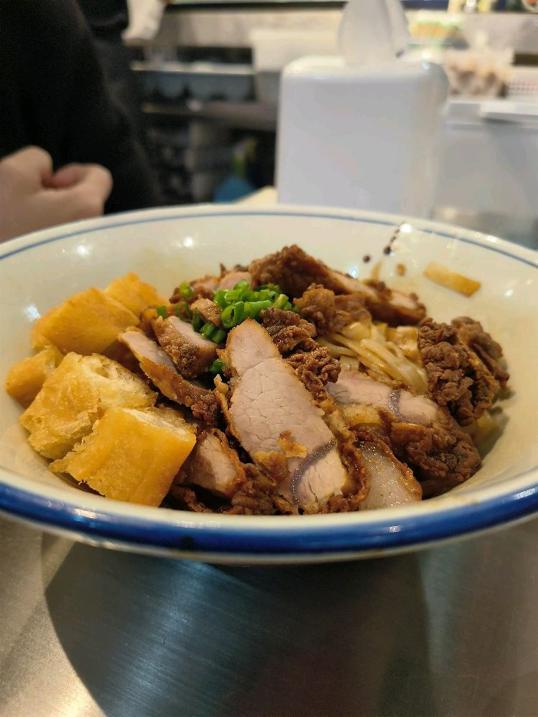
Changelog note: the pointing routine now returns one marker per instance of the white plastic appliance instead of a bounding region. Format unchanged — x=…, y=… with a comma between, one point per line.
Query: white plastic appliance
x=362, y=138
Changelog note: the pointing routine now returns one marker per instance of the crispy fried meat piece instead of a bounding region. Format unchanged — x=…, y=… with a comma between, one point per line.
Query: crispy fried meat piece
x=158, y=367
x=293, y=336
x=457, y=377
x=294, y=271
x=207, y=309
x=288, y=330
x=190, y=351
x=472, y=334
x=330, y=312
x=315, y=369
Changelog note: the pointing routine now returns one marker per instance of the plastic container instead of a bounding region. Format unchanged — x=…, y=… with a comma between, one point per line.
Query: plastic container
x=489, y=167
x=360, y=137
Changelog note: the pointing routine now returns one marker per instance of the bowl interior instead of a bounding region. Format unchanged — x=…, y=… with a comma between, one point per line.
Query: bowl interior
x=167, y=246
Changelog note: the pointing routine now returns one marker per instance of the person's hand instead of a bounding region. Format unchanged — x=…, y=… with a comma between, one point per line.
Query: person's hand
x=33, y=197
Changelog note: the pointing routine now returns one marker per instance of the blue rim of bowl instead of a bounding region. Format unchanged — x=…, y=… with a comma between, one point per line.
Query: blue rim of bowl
x=385, y=533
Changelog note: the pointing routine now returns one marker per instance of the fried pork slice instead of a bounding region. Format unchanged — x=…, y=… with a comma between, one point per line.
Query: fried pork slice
x=158, y=367
x=331, y=312
x=191, y=353
x=208, y=310
x=293, y=336
x=421, y=433
x=472, y=334
x=213, y=465
x=288, y=330
x=275, y=419
x=230, y=278
x=204, y=286
x=394, y=307
x=390, y=482
x=294, y=271
x=457, y=359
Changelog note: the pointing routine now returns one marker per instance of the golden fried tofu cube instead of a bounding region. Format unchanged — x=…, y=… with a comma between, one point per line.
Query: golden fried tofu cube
x=37, y=337
x=88, y=322
x=131, y=455
x=26, y=378
x=74, y=396
x=134, y=293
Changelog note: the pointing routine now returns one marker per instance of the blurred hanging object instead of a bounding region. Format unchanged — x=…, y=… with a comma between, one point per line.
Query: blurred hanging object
x=373, y=31
x=144, y=19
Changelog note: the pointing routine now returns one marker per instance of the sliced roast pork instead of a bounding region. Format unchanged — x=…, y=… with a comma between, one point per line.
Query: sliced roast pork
x=204, y=286
x=390, y=482
x=354, y=388
x=213, y=465
x=208, y=310
x=191, y=353
x=158, y=367
x=294, y=271
x=274, y=418
x=230, y=278
x=421, y=433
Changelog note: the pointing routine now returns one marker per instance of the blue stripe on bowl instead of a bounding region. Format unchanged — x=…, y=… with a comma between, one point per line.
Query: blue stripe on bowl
x=249, y=540
x=284, y=213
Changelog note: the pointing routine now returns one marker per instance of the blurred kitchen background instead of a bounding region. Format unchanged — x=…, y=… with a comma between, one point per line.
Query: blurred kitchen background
x=210, y=82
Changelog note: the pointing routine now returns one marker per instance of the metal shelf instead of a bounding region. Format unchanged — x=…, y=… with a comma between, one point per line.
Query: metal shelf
x=239, y=115
x=244, y=5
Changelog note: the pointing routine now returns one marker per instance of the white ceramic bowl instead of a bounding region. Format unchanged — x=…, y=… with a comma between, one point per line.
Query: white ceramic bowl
x=168, y=245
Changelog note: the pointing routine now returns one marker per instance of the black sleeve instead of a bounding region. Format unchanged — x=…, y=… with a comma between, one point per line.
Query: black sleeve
x=53, y=94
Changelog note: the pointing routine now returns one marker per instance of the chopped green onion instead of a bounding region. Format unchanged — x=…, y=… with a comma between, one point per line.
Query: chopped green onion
x=217, y=366
x=240, y=290
x=263, y=295
x=186, y=290
x=219, y=299
x=162, y=311
x=219, y=336
x=233, y=295
x=208, y=329
x=233, y=315
x=197, y=321
x=281, y=302
x=270, y=287
x=242, y=285
x=253, y=308
x=182, y=310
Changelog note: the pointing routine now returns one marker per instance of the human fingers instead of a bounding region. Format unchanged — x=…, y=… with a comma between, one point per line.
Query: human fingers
x=67, y=176
x=31, y=162
x=85, y=190
x=93, y=188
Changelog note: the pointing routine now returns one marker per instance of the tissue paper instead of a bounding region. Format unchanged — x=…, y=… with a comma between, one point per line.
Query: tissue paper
x=373, y=32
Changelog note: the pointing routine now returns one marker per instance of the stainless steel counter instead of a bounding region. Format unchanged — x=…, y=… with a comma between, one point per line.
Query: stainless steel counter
x=450, y=631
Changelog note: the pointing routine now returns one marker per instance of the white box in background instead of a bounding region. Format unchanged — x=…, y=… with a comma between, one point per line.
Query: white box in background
x=359, y=138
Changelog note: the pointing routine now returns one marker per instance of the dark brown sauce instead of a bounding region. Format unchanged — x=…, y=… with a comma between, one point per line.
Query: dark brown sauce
x=388, y=249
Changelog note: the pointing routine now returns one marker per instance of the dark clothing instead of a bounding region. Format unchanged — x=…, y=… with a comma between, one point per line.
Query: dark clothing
x=53, y=94
x=106, y=17
x=107, y=20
